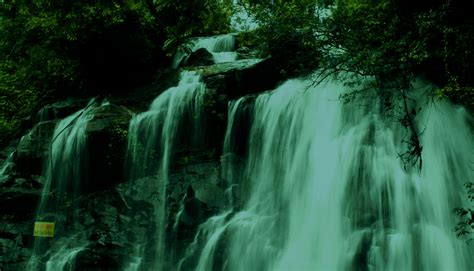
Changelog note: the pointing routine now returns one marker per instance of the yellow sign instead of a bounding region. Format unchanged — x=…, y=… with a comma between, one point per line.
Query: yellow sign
x=44, y=229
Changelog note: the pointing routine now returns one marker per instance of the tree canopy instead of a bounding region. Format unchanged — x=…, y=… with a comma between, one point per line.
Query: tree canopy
x=392, y=40
x=62, y=48
x=58, y=49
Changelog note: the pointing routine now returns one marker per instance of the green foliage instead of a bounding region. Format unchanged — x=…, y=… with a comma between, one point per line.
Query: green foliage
x=62, y=48
x=448, y=35
x=288, y=29
x=192, y=18
x=368, y=38
x=251, y=39
x=390, y=41
x=465, y=226
x=42, y=46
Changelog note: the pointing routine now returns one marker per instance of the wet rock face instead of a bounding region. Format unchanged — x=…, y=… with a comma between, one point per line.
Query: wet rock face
x=14, y=240
x=21, y=182
x=247, y=53
x=60, y=110
x=107, y=219
x=33, y=149
x=200, y=57
x=107, y=142
x=243, y=77
x=203, y=179
x=19, y=198
x=107, y=139
x=110, y=213
x=101, y=229
x=195, y=193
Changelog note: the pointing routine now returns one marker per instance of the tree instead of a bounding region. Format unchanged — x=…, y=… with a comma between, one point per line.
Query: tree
x=465, y=226
x=379, y=47
x=57, y=49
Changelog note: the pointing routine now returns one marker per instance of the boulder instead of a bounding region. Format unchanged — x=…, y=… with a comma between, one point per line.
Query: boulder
x=195, y=195
x=200, y=57
x=33, y=148
x=60, y=110
x=260, y=77
x=107, y=142
x=247, y=53
x=243, y=77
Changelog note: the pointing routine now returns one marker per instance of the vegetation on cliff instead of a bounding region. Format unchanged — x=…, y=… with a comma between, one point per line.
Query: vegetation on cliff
x=392, y=40
x=76, y=48
x=465, y=227
x=58, y=49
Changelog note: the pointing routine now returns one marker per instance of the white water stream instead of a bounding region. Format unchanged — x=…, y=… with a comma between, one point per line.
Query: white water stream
x=151, y=141
x=221, y=47
x=322, y=186
x=64, y=172
x=326, y=189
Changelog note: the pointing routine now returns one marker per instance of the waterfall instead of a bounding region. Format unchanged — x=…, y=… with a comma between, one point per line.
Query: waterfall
x=65, y=165
x=229, y=160
x=324, y=188
x=152, y=137
x=63, y=259
x=64, y=171
x=5, y=167
x=221, y=47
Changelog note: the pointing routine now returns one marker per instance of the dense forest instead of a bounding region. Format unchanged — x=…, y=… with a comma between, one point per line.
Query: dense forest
x=54, y=51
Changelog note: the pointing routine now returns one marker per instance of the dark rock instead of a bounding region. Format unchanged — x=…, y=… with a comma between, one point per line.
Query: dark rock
x=11, y=251
x=101, y=228
x=195, y=190
x=17, y=200
x=112, y=212
x=106, y=116
x=261, y=77
x=226, y=67
x=194, y=209
x=196, y=175
x=17, y=212
x=100, y=258
x=139, y=99
x=60, y=110
x=107, y=141
x=33, y=149
x=247, y=53
x=200, y=57
x=243, y=77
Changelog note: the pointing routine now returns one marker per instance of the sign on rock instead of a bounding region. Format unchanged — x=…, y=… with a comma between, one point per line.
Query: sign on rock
x=44, y=229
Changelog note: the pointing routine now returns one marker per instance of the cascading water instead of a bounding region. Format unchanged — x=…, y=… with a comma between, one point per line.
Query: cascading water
x=152, y=136
x=65, y=171
x=324, y=189
x=229, y=159
x=63, y=259
x=5, y=167
x=221, y=47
